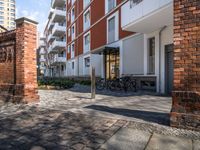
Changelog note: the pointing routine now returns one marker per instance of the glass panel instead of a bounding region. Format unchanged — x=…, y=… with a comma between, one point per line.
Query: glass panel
x=111, y=30
x=111, y=4
x=151, y=56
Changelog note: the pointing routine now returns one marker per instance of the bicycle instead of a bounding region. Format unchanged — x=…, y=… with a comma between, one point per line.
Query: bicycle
x=101, y=84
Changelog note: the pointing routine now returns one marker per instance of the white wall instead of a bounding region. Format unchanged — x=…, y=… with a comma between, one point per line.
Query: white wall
x=95, y=61
x=166, y=38
x=132, y=55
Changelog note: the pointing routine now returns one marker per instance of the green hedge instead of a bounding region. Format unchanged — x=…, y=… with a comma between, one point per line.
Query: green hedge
x=59, y=82
x=62, y=82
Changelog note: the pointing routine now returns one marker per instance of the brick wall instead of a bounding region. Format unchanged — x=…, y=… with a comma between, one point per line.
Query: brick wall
x=24, y=87
x=186, y=96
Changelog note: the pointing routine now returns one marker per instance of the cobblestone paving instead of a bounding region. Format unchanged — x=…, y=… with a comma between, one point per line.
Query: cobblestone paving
x=71, y=120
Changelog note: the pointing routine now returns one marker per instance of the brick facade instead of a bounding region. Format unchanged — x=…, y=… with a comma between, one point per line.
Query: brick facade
x=186, y=96
x=98, y=20
x=20, y=83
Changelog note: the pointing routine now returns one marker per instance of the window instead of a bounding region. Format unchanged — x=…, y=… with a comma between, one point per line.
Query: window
x=73, y=1
x=87, y=62
x=151, y=55
x=72, y=50
x=73, y=65
x=110, y=5
x=69, y=32
x=68, y=16
x=86, y=40
x=87, y=19
x=72, y=15
x=86, y=3
x=73, y=32
x=68, y=49
x=111, y=30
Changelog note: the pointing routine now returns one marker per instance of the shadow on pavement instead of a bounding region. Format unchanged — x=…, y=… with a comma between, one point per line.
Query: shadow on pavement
x=154, y=117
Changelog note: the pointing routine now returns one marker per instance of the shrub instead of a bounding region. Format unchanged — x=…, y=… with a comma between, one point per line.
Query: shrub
x=57, y=82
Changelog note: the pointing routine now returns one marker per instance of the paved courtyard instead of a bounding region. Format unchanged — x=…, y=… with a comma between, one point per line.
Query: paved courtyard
x=69, y=119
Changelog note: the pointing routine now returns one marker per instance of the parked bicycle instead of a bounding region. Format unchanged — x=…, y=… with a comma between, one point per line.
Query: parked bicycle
x=102, y=84
x=124, y=83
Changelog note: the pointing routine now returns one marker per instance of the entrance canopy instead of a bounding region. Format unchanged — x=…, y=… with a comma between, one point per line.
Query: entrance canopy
x=105, y=50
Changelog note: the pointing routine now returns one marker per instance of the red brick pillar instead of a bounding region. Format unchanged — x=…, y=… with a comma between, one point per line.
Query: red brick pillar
x=26, y=71
x=186, y=96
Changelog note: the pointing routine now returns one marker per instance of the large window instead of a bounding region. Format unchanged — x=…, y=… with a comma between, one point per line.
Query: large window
x=72, y=14
x=72, y=50
x=87, y=62
x=86, y=42
x=69, y=49
x=85, y=3
x=86, y=19
x=151, y=55
x=111, y=30
x=110, y=5
x=73, y=32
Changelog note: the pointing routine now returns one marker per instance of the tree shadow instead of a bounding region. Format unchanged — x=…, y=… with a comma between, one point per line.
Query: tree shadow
x=154, y=117
x=52, y=130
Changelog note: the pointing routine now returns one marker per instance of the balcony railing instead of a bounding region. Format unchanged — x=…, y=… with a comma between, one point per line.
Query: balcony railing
x=134, y=11
x=58, y=44
x=58, y=59
x=59, y=27
x=50, y=37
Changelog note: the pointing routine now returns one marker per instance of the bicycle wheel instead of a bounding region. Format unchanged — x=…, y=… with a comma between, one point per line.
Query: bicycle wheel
x=111, y=85
x=100, y=85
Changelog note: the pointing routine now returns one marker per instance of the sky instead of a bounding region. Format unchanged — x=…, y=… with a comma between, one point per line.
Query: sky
x=37, y=10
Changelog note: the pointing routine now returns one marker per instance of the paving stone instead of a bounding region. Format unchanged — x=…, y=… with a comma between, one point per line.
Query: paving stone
x=127, y=139
x=37, y=148
x=196, y=145
x=169, y=143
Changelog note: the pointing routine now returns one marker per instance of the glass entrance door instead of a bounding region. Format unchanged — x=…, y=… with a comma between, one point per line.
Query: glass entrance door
x=112, y=60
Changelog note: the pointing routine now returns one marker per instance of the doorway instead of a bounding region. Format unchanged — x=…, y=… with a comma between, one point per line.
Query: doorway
x=112, y=60
x=169, y=68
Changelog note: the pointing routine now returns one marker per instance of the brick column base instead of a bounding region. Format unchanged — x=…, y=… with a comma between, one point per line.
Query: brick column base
x=186, y=110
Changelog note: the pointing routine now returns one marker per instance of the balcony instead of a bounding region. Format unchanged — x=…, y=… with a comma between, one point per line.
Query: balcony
x=59, y=14
x=58, y=45
x=146, y=16
x=58, y=59
x=42, y=59
x=58, y=29
x=42, y=51
x=50, y=38
x=42, y=67
x=50, y=13
x=50, y=25
x=42, y=44
x=58, y=3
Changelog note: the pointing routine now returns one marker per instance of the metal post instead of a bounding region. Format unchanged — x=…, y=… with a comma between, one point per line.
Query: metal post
x=93, y=92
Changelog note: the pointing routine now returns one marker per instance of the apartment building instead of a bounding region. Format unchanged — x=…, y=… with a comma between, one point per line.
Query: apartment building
x=55, y=37
x=94, y=37
x=41, y=57
x=7, y=14
x=122, y=37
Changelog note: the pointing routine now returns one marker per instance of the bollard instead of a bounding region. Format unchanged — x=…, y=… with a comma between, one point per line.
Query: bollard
x=93, y=87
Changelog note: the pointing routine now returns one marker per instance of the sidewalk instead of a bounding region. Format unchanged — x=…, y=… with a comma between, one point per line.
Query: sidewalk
x=132, y=139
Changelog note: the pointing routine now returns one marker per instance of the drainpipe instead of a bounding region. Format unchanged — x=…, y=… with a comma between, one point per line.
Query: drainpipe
x=77, y=30
x=160, y=47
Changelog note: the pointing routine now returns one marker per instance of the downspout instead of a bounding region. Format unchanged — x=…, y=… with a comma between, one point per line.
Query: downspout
x=160, y=47
x=77, y=30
